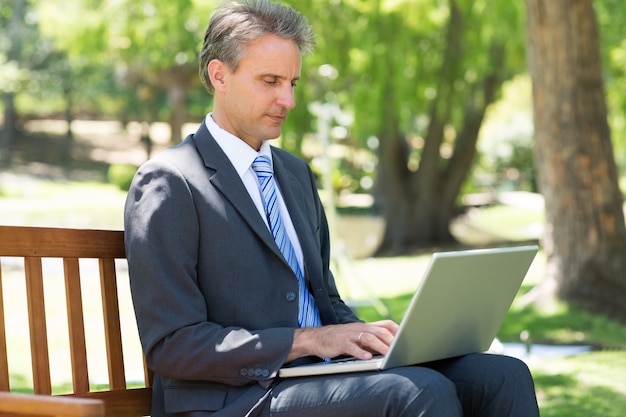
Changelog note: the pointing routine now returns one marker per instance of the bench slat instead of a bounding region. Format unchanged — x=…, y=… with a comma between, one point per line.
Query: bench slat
x=4, y=360
x=37, y=325
x=112, y=331
x=76, y=325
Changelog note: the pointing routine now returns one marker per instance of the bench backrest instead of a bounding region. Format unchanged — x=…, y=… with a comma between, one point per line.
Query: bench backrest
x=33, y=245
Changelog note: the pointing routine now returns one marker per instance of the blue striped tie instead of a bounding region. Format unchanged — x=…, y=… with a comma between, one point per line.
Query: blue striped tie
x=308, y=315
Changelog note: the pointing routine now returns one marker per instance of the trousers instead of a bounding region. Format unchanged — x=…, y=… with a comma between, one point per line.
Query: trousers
x=475, y=385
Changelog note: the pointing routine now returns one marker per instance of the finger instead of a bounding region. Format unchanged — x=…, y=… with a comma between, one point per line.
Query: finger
x=356, y=339
x=374, y=342
x=389, y=325
x=358, y=347
x=384, y=333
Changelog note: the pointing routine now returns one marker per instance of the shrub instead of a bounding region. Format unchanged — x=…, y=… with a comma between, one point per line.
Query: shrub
x=121, y=175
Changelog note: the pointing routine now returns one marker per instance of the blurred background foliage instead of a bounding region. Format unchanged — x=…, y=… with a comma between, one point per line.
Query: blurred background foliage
x=388, y=77
x=136, y=60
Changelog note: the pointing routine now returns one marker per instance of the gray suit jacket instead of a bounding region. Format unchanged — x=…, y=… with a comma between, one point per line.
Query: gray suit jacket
x=216, y=303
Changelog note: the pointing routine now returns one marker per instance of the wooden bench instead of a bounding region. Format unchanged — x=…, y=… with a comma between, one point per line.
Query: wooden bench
x=34, y=245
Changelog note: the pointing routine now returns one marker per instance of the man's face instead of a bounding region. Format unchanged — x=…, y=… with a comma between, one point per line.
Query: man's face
x=253, y=102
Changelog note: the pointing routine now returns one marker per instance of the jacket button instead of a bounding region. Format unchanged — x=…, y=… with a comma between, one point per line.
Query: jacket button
x=243, y=372
x=291, y=296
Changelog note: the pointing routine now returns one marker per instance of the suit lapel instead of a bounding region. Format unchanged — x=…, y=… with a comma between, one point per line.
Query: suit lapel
x=291, y=191
x=296, y=201
x=224, y=177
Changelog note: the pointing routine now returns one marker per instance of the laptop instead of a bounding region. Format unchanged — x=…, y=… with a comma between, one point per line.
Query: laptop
x=457, y=309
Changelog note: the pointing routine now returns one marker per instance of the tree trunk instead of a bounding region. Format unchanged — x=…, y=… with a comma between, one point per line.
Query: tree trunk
x=586, y=237
x=176, y=98
x=7, y=136
x=419, y=205
x=68, y=143
x=9, y=131
x=177, y=80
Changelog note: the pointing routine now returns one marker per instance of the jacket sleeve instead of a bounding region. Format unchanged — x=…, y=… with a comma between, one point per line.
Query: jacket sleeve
x=162, y=228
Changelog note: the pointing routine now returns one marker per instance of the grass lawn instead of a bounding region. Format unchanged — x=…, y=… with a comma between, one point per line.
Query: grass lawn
x=590, y=385
x=27, y=201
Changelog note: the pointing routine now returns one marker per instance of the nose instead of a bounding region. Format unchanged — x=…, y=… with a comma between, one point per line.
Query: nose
x=287, y=98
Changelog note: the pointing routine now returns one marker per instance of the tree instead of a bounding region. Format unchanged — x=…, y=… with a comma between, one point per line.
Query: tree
x=158, y=52
x=419, y=76
x=150, y=48
x=16, y=29
x=611, y=16
x=75, y=73
x=586, y=236
x=33, y=70
x=420, y=204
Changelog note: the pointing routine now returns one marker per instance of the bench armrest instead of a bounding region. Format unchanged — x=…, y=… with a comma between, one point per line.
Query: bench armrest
x=47, y=406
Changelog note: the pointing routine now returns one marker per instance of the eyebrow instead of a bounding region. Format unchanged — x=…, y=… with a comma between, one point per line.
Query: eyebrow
x=280, y=77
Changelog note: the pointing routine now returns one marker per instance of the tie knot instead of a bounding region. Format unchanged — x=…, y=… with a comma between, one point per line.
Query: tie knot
x=262, y=166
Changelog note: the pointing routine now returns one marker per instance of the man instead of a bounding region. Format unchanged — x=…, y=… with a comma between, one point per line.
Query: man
x=221, y=305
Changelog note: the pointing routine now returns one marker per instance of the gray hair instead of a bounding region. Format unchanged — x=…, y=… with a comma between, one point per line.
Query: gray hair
x=237, y=23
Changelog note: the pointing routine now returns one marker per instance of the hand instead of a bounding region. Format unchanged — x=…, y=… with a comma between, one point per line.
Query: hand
x=360, y=340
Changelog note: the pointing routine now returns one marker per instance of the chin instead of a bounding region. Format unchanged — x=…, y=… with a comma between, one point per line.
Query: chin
x=272, y=135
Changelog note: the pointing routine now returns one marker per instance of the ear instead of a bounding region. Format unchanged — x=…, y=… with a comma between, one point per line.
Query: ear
x=218, y=73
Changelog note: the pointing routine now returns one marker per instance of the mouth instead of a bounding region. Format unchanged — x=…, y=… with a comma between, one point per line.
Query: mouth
x=277, y=118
